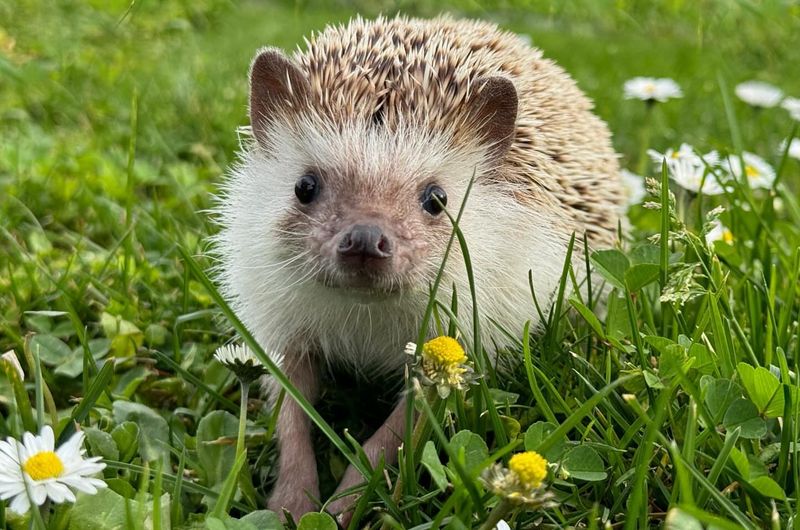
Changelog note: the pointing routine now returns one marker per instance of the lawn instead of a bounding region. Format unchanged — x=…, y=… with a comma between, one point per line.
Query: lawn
x=675, y=403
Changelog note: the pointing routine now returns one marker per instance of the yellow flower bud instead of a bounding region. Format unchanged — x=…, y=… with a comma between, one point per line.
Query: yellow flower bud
x=444, y=351
x=529, y=467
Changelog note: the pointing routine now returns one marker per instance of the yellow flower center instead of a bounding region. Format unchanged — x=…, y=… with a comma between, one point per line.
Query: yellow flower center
x=44, y=465
x=751, y=172
x=676, y=154
x=529, y=467
x=727, y=236
x=444, y=351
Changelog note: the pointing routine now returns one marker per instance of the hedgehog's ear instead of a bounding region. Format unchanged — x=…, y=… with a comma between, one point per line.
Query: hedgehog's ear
x=275, y=84
x=494, y=109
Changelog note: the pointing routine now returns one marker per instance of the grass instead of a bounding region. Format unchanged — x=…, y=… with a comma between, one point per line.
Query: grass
x=117, y=122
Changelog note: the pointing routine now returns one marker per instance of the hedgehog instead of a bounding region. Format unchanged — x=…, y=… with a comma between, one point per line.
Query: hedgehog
x=333, y=223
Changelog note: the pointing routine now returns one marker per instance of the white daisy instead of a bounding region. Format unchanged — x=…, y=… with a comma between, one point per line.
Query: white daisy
x=11, y=358
x=759, y=173
x=719, y=232
x=794, y=148
x=633, y=185
x=33, y=470
x=688, y=169
x=239, y=359
x=792, y=106
x=502, y=525
x=651, y=89
x=235, y=353
x=684, y=152
x=759, y=93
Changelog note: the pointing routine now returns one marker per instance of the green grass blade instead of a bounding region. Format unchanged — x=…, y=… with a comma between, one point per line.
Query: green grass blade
x=719, y=464
x=580, y=413
x=642, y=459
x=99, y=385
x=196, y=381
x=228, y=487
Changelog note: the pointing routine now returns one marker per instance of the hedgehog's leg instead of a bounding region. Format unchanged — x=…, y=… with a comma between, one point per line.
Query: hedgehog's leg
x=386, y=441
x=297, y=485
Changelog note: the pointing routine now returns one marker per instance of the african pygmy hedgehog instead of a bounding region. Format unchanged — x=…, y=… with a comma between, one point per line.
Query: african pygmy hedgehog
x=333, y=225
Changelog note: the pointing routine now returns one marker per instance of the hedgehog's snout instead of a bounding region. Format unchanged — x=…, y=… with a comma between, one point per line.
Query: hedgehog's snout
x=364, y=246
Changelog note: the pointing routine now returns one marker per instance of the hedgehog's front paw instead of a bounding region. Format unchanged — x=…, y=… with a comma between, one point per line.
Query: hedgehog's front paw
x=343, y=507
x=294, y=495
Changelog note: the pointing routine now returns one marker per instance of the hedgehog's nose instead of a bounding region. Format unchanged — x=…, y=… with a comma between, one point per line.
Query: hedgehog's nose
x=363, y=243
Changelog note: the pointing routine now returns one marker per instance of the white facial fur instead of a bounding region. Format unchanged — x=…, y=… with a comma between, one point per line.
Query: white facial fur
x=271, y=283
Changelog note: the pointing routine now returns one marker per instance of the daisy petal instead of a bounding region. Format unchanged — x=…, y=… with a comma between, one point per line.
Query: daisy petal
x=9, y=490
x=759, y=94
x=47, y=439
x=58, y=492
x=20, y=504
x=8, y=448
x=38, y=493
x=71, y=448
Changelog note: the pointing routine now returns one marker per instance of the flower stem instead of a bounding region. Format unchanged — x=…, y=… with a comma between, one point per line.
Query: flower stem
x=644, y=142
x=36, y=512
x=242, y=418
x=497, y=513
x=420, y=428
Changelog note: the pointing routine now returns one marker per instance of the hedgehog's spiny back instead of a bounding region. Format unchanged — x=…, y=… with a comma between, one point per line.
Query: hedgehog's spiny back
x=422, y=72
x=385, y=69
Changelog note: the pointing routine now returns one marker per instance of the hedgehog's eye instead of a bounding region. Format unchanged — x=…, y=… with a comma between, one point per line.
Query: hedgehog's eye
x=429, y=202
x=307, y=188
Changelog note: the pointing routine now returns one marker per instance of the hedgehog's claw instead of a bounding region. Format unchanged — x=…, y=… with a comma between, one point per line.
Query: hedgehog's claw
x=342, y=509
